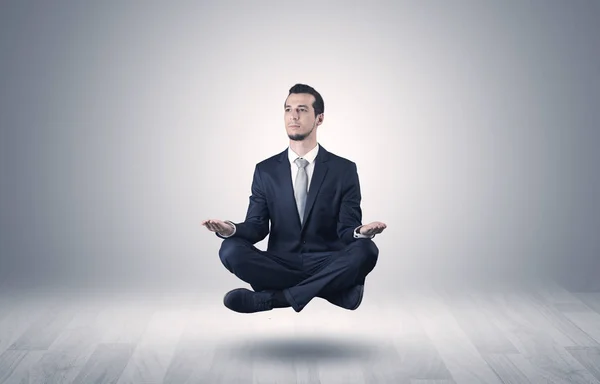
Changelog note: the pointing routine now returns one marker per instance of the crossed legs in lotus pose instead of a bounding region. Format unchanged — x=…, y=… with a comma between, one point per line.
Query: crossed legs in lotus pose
x=293, y=280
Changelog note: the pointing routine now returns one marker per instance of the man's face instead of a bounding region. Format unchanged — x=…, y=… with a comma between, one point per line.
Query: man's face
x=299, y=116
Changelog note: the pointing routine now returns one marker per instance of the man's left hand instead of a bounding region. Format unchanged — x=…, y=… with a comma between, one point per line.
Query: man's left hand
x=372, y=228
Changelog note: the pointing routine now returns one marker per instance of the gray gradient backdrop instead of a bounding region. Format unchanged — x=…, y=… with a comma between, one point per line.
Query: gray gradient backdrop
x=124, y=124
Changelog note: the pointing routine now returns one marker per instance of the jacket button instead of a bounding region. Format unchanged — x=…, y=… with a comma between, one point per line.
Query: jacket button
x=304, y=242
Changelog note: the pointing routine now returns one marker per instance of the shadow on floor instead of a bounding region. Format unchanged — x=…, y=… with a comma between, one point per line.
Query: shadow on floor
x=306, y=349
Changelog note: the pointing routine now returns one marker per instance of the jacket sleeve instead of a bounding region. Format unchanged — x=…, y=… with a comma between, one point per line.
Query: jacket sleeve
x=350, y=215
x=256, y=225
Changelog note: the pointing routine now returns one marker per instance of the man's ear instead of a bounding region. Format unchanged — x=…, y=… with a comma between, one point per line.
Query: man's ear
x=320, y=118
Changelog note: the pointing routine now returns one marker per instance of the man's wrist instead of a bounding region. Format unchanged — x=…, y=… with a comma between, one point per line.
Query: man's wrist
x=232, y=232
x=359, y=235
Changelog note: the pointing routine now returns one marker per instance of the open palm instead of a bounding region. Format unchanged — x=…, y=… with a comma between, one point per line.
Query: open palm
x=218, y=226
x=372, y=228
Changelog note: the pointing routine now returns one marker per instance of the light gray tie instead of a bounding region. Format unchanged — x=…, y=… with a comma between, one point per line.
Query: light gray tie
x=301, y=186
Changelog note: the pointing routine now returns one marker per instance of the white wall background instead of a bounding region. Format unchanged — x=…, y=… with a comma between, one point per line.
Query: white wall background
x=124, y=124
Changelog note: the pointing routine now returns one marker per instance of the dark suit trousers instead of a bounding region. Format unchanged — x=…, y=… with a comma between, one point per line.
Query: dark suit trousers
x=301, y=276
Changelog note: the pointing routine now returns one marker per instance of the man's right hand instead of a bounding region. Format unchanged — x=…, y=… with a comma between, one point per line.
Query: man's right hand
x=218, y=226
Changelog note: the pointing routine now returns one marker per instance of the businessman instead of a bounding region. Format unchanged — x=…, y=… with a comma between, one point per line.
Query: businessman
x=308, y=200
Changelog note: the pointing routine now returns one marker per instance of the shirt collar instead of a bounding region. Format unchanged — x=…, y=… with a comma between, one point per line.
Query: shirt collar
x=310, y=156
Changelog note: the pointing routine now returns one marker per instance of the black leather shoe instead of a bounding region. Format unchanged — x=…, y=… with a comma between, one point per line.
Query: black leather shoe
x=246, y=301
x=348, y=299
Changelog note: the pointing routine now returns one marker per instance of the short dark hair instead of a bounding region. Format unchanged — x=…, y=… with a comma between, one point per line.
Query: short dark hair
x=318, y=104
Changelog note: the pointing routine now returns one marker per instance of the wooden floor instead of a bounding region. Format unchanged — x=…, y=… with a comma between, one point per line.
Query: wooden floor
x=535, y=334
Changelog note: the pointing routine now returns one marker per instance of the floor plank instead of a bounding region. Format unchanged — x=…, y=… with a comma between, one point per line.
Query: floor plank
x=589, y=358
x=484, y=334
x=154, y=351
x=307, y=372
x=24, y=371
x=409, y=352
x=509, y=372
x=68, y=354
x=222, y=370
x=587, y=321
x=460, y=356
x=57, y=367
x=106, y=364
x=546, y=357
x=189, y=363
x=125, y=322
x=573, y=335
x=533, y=373
x=9, y=361
x=196, y=349
x=18, y=320
x=44, y=331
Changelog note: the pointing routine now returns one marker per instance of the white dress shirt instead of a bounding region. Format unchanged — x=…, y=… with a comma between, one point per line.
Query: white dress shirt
x=310, y=168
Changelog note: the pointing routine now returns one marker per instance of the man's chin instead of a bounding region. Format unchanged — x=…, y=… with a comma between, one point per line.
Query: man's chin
x=297, y=137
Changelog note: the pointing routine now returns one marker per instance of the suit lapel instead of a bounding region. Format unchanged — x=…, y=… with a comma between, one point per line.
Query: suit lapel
x=318, y=176
x=284, y=180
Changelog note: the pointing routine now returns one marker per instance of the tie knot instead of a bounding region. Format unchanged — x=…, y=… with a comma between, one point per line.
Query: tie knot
x=301, y=163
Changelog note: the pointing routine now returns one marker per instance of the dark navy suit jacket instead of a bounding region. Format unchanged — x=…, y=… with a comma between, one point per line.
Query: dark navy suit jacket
x=332, y=210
